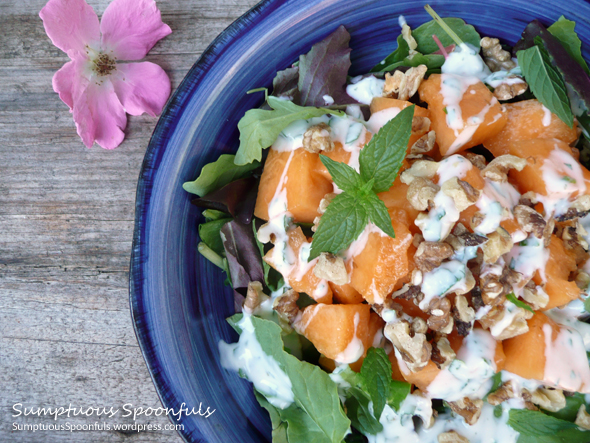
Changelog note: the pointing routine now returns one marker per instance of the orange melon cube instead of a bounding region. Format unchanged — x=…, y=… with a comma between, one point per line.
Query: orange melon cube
x=383, y=262
x=560, y=265
x=381, y=103
x=297, y=172
x=527, y=120
x=340, y=332
x=396, y=198
x=345, y=294
x=301, y=278
x=482, y=116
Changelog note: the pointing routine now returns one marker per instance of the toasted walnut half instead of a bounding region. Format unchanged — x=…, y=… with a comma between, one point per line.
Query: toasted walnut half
x=549, y=399
x=405, y=84
x=462, y=193
x=499, y=243
x=415, y=350
x=317, y=138
x=498, y=168
x=451, y=437
x=421, y=193
x=442, y=353
x=583, y=418
x=530, y=220
x=507, y=91
x=469, y=409
x=331, y=268
x=495, y=57
x=420, y=168
x=286, y=306
x=254, y=296
x=440, y=315
x=430, y=255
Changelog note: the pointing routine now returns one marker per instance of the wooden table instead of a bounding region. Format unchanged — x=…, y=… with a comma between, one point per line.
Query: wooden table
x=66, y=224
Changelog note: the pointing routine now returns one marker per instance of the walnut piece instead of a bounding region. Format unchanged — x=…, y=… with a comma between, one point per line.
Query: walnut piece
x=469, y=409
x=286, y=306
x=423, y=144
x=440, y=315
x=507, y=91
x=535, y=296
x=495, y=57
x=498, y=168
x=421, y=193
x=317, y=138
x=579, y=208
x=503, y=324
x=415, y=350
x=254, y=296
x=420, y=168
x=465, y=312
x=405, y=84
x=530, y=220
x=430, y=255
x=332, y=268
x=479, y=161
x=582, y=280
x=583, y=418
x=420, y=125
x=499, y=243
x=462, y=193
x=503, y=393
x=549, y=399
x=324, y=202
x=442, y=353
x=451, y=437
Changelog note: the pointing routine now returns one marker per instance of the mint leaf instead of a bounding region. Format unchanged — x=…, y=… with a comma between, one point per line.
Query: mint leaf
x=496, y=383
x=564, y=30
x=216, y=175
x=378, y=214
x=340, y=225
x=427, y=45
x=536, y=427
x=259, y=128
x=324, y=69
x=357, y=408
x=545, y=82
x=376, y=378
x=345, y=177
x=210, y=234
x=512, y=298
x=382, y=157
x=398, y=391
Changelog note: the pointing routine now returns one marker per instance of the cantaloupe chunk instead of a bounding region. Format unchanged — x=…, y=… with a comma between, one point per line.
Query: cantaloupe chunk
x=525, y=121
x=305, y=186
x=301, y=278
x=381, y=103
x=477, y=106
x=560, y=264
x=339, y=154
x=396, y=198
x=536, y=152
x=345, y=294
x=383, y=261
x=340, y=332
x=525, y=353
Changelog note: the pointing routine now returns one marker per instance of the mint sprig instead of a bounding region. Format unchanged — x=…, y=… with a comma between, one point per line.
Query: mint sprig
x=348, y=214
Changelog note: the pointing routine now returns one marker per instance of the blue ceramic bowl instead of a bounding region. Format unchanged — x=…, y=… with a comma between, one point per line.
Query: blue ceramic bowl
x=178, y=299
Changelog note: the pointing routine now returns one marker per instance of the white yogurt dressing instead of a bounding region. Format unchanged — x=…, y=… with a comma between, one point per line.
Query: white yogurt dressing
x=528, y=257
x=261, y=369
x=448, y=277
x=364, y=90
x=355, y=348
x=440, y=219
x=453, y=166
x=380, y=118
x=495, y=203
x=546, y=116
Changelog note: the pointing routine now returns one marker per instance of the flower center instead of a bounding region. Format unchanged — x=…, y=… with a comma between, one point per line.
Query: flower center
x=104, y=65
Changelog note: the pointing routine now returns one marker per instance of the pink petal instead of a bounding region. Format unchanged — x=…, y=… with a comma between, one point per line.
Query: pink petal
x=71, y=25
x=64, y=79
x=141, y=87
x=130, y=28
x=98, y=113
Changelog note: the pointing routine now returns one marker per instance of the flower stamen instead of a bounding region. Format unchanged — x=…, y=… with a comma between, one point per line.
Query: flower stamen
x=104, y=65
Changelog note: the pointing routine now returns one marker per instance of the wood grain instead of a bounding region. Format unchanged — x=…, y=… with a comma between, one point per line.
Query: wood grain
x=66, y=222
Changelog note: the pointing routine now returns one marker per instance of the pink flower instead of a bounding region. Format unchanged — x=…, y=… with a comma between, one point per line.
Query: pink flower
x=97, y=88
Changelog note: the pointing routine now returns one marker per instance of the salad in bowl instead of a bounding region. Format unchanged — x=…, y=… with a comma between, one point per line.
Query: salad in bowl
x=408, y=249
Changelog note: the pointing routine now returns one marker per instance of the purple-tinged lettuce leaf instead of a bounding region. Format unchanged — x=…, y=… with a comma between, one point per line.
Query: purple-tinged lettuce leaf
x=285, y=84
x=237, y=198
x=244, y=260
x=324, y=70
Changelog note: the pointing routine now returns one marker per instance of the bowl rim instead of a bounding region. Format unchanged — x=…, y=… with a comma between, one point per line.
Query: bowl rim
x=156, y=146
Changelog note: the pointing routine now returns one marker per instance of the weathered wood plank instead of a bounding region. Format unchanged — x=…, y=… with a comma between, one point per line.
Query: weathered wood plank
x=66, y=222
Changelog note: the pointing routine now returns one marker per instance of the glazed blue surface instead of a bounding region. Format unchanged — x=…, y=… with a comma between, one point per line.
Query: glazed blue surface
x=178, y=299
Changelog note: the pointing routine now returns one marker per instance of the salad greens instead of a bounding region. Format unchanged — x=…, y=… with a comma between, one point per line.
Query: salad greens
x=326, y=406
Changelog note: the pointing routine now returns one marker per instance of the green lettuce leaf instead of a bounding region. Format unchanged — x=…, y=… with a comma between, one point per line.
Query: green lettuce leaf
x=564, y=30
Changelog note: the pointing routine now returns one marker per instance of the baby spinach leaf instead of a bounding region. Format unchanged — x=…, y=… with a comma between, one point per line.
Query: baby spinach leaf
x=340, y=225
x=397, y=56
x=324, y=69
x=398, y=391
x=345, y=177
x=259, y=128
x=564, y=30
x=361, y=417
x=536, y=427
x=426, y=44
x=382, y=157
x=378, y=214
x=217, y=174
x=376, y=378
x=512, y=298
x=545, y=82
